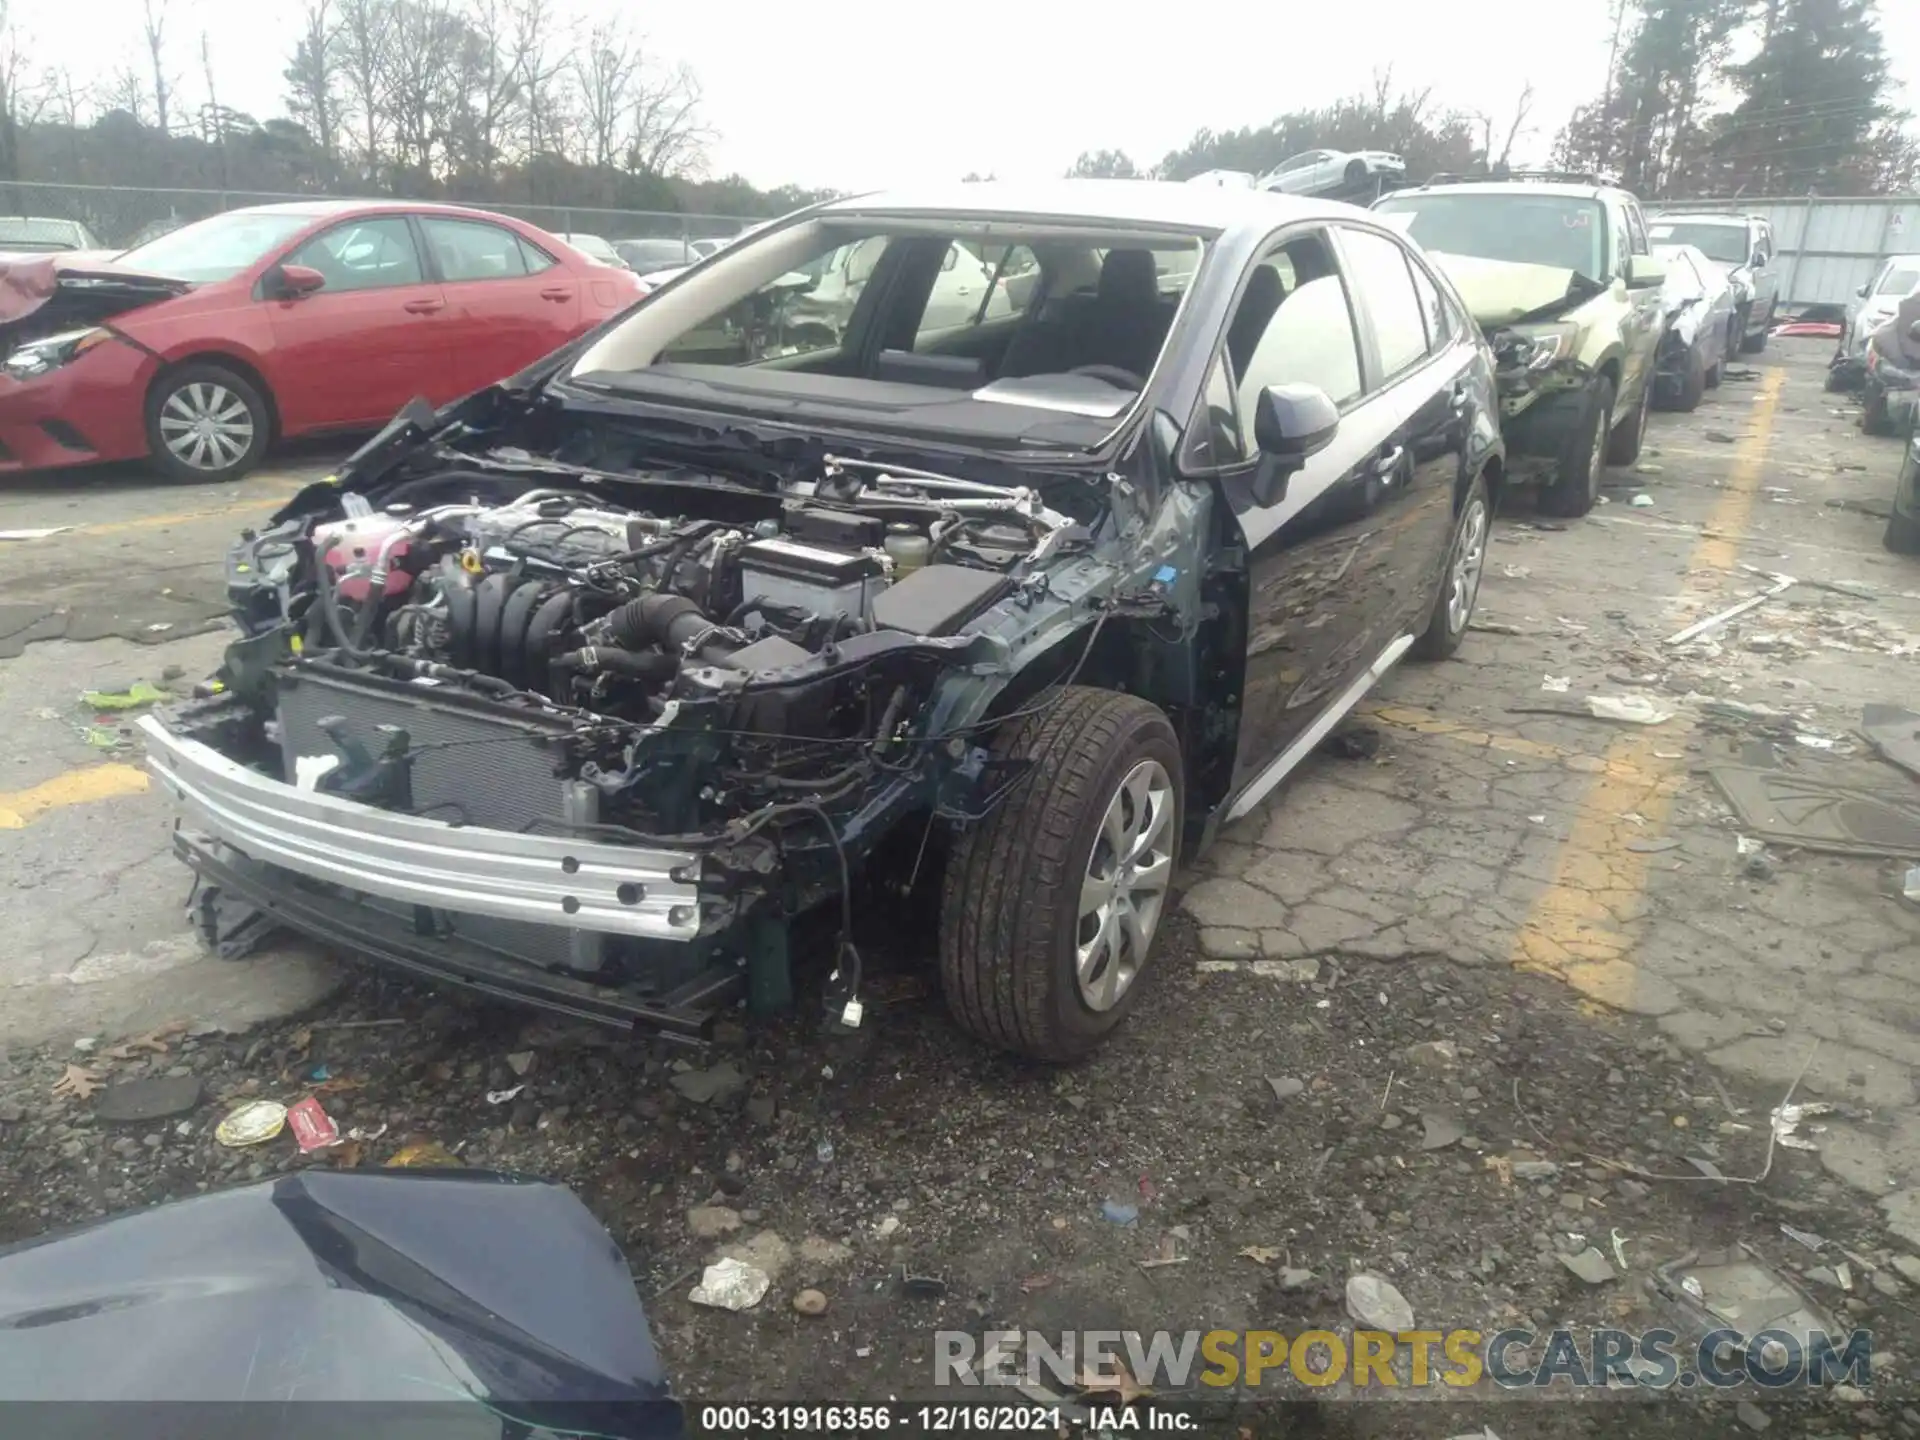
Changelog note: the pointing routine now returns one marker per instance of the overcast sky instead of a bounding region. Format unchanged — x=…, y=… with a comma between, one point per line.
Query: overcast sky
x=860, y=93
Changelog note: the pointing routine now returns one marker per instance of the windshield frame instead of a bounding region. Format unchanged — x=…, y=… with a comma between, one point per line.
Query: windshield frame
x=297, y=224
x=1406, y=207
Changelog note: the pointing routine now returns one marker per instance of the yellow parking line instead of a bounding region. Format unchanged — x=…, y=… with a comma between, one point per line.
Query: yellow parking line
x=20, y=808
x=1581, y=927
x=258, y=500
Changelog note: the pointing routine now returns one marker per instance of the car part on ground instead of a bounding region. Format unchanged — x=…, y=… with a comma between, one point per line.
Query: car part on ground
x=1534, y=260
x=598, y=689
x=201, y=347
x=1873, y=305
x=496, y=1299
x=1890, y=387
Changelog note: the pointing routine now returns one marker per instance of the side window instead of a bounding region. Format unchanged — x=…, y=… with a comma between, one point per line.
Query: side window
x=1008, y=287
x=363, y=255
x=534, y=258
x=1433, y=308
x=1310, y=339
x=1637, y=230
x=474, y=250
x=1617, y=240
x=1378, y=268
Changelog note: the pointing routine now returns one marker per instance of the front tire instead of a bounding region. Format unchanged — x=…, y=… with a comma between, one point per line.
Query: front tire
x=1356, y=172
x=206, y=424
x=1753, y=344
x=1693, y=388
x=1875, y=417
x=1576, y=483
x=1623, y=443
x=1902, y=535
x=1460, y=586
x=1049, y=906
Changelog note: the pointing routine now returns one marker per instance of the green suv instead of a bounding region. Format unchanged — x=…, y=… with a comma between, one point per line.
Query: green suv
x=1559, y=274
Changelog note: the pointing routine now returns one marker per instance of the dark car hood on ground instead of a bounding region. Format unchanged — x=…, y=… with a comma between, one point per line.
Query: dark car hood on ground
x=469, y=1295
x=43, y=294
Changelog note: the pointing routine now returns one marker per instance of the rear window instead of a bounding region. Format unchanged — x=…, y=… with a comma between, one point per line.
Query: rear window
x=1898, y=282
x=1726, y=244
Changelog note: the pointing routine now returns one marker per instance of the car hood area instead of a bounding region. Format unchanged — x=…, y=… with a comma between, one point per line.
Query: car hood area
x=1501, y=292
x=42, y=295
x=492, y=1295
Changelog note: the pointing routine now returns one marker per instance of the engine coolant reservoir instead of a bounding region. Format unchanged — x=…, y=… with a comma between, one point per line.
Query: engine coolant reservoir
x=908, y=548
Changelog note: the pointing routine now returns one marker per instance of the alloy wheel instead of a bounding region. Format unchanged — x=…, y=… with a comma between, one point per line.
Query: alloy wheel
x=206, y=426
x=1469, y=557
x=1124, y=892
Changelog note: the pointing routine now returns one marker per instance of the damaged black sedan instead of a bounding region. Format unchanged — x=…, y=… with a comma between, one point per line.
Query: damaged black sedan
x=582, y=690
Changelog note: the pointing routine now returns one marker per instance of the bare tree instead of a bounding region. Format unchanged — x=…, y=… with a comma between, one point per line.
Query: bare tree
x=540, y=54
x=13, y=65
x=418, y=83
x=668, y=137
x=313, y=79
x=156, y=34
x=362, y=40
x=605, y=71
x=488, y=84
x=125, y=90
x=1522, y=108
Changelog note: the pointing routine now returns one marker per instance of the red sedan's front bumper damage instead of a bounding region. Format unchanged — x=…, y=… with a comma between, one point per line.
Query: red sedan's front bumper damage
x=80, y=414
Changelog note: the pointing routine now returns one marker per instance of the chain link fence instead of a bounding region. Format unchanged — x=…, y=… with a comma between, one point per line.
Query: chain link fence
x=120, y=217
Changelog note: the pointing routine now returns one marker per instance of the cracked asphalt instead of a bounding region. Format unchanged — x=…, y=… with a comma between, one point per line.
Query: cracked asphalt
x=1559, y=898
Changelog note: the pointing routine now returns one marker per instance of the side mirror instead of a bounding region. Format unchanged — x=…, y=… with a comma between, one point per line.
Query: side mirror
x=1646, y=272
x=1759, y=259
x=1291, y=424
x=295, y=282
x=1913, y=331
x=1861, y=292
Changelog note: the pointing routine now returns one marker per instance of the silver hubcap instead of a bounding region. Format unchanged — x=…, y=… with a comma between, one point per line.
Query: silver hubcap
x=1468, y=557
x=206, y=425
x=1125, y=888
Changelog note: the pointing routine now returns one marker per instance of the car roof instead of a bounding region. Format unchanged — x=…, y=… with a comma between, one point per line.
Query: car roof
x=1099, y=202
x=320, y=209
x=1565, y=189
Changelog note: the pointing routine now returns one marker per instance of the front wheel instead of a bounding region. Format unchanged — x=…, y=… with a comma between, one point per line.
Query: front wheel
x=1623, y=444
x=1049, y=906
x=1902, y=535
x=1460, y=586
x=1753, y=344
x=1576, y=483
x=1875, y=416
x=205, y=423
x=1356, y=172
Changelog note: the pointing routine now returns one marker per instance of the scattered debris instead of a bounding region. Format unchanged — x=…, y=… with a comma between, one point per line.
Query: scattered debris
x=1556, y=684
x=425, y=1155
x=1733, y=1293
x=501, y=1097
x=711, y=1222
x=134, y=697
x=312, y=1127
x=40, y=534
x=1293, y=1278
x=1589, y=1265
x=1751, y=1416
x=1895, y=732
x=1786, y=1122
x=1355, y=742
x=1440, y=1131
x=1781, y=584
x=253, y=1123
x=1642, y=501
x=77, y=1082
x=157, y=1097
x=1719, y=437
x=1653, y=845
x=810, y=1302
x=1648, y=470
x=706, y=1087
x=1168, y=1254
x=520, y=1062
x=1787, y=808
x=1377, y=1305
x=731, y=1285
x=1804, y=1237
x=1286, y=1087
x=1118, y=1213
x=1431, y=1054
x=1496, y=627
x=1260, y=1254
x=1633, y=709
x=1619, y=1242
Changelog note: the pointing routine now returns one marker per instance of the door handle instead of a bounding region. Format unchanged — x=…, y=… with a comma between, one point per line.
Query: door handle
x=1462, y=398
x=557, y=292
x=423, y=307
x=1389, y=460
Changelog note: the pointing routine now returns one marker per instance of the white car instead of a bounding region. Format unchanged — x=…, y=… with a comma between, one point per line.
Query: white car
x=1320, y=172
x=595, y=248
x=959, y=291
x=1872, y=306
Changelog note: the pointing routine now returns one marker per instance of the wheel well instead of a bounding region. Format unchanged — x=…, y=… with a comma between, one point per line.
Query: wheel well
x=219, y=360
x=1495, y=470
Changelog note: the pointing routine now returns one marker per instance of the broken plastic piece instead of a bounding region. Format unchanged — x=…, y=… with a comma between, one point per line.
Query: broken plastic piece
x=1634, y=709
x=133, y=698
x=252, y=1123
x=731, y=1285
x=311, y=1125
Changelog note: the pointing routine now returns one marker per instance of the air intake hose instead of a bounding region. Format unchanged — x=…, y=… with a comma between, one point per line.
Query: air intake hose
x=668, y=621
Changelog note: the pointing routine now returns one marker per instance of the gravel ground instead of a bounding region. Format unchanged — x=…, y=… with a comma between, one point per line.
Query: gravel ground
x=907, y=1150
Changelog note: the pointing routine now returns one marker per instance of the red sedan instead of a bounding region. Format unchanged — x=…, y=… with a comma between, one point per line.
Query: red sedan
x=201, y=347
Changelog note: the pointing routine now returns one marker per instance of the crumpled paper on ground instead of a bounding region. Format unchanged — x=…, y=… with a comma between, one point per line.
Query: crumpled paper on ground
x=731, y=1285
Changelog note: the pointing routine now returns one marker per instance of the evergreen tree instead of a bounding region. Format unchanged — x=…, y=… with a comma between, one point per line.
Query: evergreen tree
x=1813, y=114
